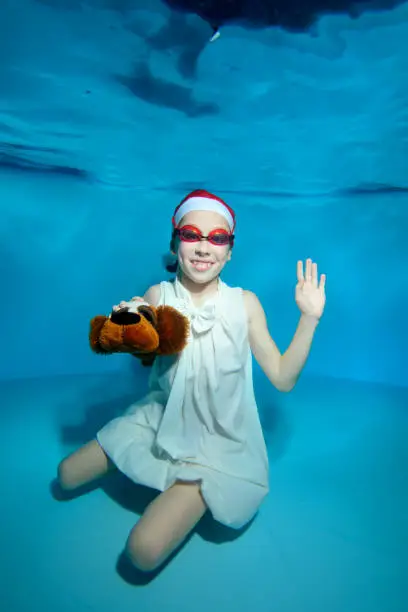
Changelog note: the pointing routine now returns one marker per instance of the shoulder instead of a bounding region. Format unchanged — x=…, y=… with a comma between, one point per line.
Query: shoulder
x=252, y=304
x=152, y=295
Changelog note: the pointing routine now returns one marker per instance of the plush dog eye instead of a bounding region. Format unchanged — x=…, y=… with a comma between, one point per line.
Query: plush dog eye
x=148, y=314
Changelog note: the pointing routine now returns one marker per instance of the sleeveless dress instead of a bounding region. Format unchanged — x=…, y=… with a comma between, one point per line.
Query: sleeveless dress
x=199, y=420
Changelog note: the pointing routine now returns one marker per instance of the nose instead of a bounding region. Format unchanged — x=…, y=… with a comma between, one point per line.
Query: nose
x=202, y=246
x=124, y=317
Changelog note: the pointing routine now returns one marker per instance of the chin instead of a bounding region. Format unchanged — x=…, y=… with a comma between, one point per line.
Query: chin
x=201, y=278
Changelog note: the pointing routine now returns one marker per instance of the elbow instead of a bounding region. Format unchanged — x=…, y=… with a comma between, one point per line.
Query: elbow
x=285, y=386
x=281, y=385
x=283, y=382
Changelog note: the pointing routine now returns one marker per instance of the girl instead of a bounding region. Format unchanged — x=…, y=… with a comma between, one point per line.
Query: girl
x=196, y=436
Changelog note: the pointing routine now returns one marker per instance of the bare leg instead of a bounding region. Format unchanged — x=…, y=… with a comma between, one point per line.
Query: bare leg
x=84, y=465
x=165, y=524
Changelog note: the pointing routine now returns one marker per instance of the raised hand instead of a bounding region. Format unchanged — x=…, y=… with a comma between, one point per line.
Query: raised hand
x=310, y=293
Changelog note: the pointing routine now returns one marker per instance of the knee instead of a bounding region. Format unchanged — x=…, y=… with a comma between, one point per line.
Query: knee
x=144, y=552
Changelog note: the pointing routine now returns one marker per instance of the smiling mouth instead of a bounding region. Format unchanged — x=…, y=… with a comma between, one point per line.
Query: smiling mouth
x=201, y=265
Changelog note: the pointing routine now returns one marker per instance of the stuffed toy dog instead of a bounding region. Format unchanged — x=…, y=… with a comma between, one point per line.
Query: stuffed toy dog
x=141, y=330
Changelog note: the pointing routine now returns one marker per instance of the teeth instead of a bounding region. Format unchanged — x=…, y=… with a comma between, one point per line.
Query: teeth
x=202, y=265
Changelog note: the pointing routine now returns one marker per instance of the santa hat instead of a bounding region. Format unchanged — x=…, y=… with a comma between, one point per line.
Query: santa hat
x=203, y=200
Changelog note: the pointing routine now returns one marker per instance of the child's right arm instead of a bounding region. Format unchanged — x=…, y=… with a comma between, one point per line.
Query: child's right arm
x=152, y=295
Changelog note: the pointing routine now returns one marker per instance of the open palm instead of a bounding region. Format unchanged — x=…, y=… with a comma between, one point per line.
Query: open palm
x=310, y=293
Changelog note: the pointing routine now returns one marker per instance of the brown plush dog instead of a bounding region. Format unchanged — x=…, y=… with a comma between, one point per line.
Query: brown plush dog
x=141, y=330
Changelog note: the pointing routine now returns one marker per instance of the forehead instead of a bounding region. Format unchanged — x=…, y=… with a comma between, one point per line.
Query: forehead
x=205, y=220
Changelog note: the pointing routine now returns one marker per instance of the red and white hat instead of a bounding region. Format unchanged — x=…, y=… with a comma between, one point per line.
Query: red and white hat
x=203, y=200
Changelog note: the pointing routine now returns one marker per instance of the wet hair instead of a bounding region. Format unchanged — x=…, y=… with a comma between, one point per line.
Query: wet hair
x=172, y=267
x=170, y=263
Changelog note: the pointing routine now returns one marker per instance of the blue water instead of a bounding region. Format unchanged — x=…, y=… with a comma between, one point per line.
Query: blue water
x=104, y=126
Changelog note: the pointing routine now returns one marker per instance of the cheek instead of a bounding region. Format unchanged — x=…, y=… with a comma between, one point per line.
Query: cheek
x=224, y=254
x=185, y=249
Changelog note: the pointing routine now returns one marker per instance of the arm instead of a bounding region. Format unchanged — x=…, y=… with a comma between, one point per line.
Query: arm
x=295, y=357
x=282, y=370
x=152, y=295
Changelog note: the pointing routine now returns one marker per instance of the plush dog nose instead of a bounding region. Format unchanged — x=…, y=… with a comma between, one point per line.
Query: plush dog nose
x=124, y=317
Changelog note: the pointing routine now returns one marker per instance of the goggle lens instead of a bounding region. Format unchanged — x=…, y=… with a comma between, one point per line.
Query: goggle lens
x=219, y=237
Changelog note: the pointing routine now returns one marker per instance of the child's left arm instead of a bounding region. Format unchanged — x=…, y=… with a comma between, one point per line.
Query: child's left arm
x=284, y=370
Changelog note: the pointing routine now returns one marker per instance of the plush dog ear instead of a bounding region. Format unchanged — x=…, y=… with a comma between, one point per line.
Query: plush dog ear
x=96, y=326
x=173, y=329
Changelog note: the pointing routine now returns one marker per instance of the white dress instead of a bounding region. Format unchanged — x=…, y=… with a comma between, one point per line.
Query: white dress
x=199, y=421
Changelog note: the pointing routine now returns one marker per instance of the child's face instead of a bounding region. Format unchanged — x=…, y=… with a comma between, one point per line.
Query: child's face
x=203, y=261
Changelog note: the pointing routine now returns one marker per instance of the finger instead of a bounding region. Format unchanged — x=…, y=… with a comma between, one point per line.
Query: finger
x=314, y=274
x=322, y=281
x=300, y=271
x=308, y=269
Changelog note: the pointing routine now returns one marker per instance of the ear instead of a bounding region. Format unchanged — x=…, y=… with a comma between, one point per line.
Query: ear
x=96, y=326
x=173, y=329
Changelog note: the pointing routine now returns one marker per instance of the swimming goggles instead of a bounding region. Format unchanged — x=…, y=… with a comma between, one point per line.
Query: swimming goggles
x=218, y=237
